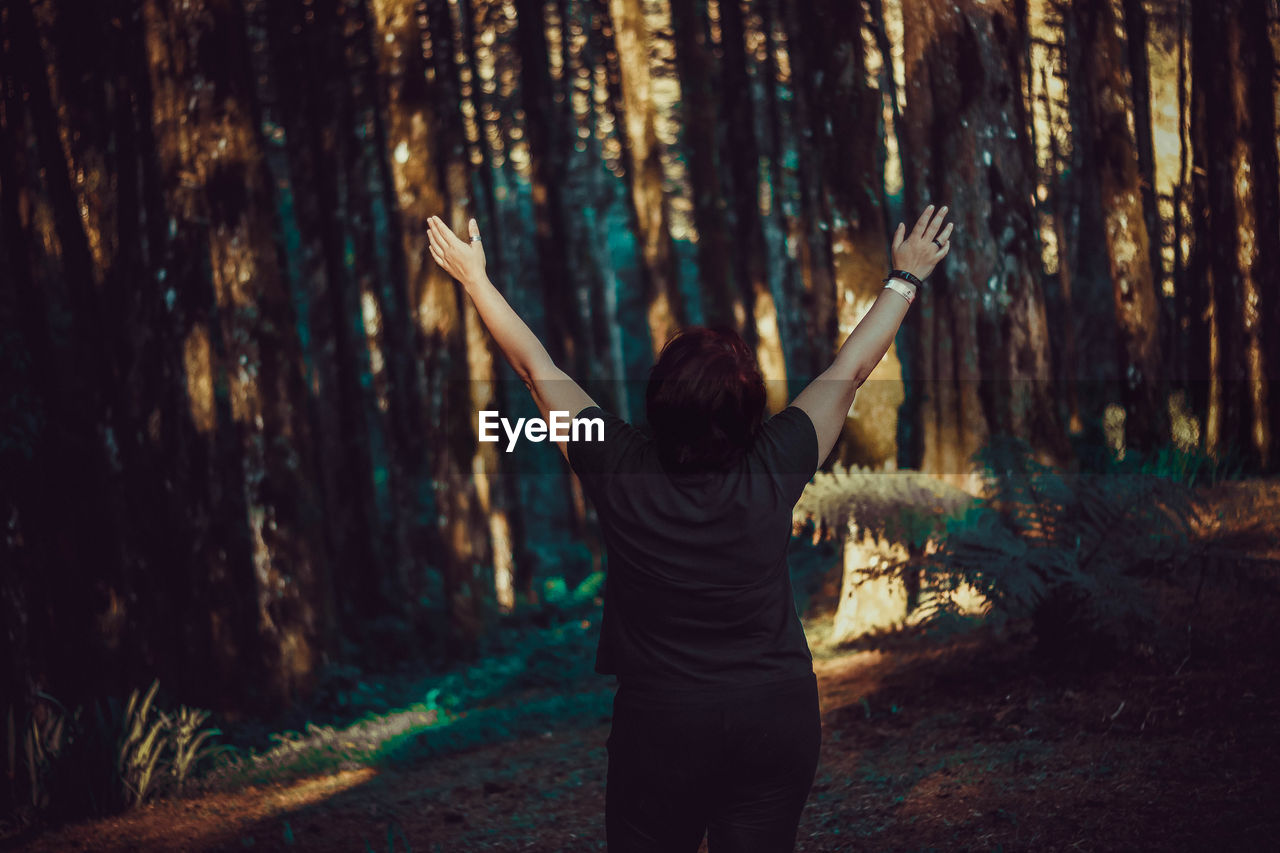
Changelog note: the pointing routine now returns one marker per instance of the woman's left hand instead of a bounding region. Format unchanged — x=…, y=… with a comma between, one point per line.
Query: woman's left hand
x=463, y=261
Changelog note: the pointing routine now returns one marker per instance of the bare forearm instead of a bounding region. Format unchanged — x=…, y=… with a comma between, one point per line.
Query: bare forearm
x=521, y=347
x=466, y=263
x=872, y=337
x=552, y=389
x=828, y=398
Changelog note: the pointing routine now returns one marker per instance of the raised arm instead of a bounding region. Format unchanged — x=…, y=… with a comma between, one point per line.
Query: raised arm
x=828, y=398
x=551, y=387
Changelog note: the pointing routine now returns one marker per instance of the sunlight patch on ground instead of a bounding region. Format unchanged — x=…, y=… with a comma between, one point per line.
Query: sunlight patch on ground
x=844, y=681
x=210, y=820
x=325, y=749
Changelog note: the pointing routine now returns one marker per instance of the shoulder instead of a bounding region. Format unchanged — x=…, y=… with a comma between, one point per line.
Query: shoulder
x=788, y=434
x=599, y=441
x=787, y=447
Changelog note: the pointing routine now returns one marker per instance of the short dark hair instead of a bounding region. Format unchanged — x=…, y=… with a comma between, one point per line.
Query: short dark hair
x=705, y=399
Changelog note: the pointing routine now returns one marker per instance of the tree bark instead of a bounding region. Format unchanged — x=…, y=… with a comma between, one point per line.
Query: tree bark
x=848, y=131
x=397, y=334
x=315, y=120
x=1182, y=320
x=76, y=564
x=1260, y=109
x=506, y=514
x=1098, y=378
x=230, y=192
x=1067, y=372
x=1135, y=26
x=545, y=129
x=722, y=301
x=1103, y=95
x=812, y=48
x=1197, y=295
x=982, y=342
x=743, y=156
x=1228, y=49
x=666, y=306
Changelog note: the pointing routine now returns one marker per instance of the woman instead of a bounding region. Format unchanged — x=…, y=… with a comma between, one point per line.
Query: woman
x=715, y=727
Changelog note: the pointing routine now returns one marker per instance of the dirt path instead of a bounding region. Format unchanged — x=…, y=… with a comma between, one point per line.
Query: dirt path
x=948, y=750
x=965, y=746
x=539, y=793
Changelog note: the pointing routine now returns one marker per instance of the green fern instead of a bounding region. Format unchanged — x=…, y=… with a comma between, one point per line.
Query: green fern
x=1066, y=550
x=1191, y=465
x=188, y=743
x=906, y=507
x=43, y=742
x=77, y=764
x=141, y=746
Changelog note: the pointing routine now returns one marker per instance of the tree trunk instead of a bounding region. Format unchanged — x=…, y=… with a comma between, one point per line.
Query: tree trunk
x=1067, y=373
x=982, y=343
x=744, y=165
x=847, y=126
x=666, y=307
x=410, y=529
x=54, y=471
x=512, y=569
x=545, y=129
x=750, y=234
x=315, y=121
x=633, y=308
x=1104, y=104
x=722, y=301
x=1260, y=110
x=77, y=567
x=1135, y=27
x=1100, y=377
x=1197, y=296
x=1225, y=55
x=1178, y=336
x=231, y=191
x=812, y=50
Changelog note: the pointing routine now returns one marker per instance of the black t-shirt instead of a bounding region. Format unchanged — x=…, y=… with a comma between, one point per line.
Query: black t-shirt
x=698, y=600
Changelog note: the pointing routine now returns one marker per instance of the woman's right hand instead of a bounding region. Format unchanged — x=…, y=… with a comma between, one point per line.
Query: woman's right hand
x=919, y=252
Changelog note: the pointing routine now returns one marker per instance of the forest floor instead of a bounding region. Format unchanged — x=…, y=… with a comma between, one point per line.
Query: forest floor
x=965, y=744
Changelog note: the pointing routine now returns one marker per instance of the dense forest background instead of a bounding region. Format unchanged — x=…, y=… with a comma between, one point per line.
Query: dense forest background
x=237, y=404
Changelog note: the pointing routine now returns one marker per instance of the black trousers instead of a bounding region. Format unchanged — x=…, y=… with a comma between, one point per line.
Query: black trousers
x=738, y=770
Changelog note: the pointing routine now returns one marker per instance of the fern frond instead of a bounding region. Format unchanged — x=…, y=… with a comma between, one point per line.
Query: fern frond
x=1041, y=538
x=907, y=507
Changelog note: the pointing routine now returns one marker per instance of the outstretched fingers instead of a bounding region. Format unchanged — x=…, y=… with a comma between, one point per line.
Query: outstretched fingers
x=944, y=237
x=439, y=258
x=448, y=236
x=477, y=245
x=438, y=244
x=931, y=232
x=942, y=244
x=465, y=261
x=922, y=223
x=433, y=233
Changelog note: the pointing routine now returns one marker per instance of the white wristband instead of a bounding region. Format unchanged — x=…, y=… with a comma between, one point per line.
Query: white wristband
x=901, y=288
